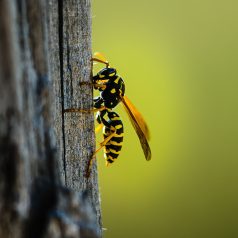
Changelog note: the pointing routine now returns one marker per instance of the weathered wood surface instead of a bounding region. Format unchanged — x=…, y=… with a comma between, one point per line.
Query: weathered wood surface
x=70, y=55
x=33, y=203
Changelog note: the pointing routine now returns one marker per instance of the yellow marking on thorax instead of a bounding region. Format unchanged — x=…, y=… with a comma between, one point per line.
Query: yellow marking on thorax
x=113, y=90
x=116, y=81
x=116, y=119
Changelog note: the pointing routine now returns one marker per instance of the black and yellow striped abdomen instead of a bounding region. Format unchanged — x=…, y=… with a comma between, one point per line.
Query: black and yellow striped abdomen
x=113, y=147
x=113, y=127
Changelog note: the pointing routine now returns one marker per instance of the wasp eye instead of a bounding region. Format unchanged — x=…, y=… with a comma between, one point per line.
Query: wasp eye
x=107, y=72
x=111, y=72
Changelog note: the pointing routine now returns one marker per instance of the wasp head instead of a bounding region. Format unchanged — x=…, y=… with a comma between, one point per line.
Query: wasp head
x=107, y=73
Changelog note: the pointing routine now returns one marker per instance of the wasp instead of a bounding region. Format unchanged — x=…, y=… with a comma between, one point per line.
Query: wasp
x=112, y=92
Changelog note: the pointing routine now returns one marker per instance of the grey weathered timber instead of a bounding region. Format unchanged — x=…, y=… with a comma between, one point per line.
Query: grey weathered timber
x=33, y=203
x=70, y=55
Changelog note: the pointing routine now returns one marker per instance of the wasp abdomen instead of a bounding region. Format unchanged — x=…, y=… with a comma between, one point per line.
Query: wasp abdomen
x=114, y=128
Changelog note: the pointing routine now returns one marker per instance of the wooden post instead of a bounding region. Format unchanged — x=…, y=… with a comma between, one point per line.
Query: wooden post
x=70, y=60
x=45, y=51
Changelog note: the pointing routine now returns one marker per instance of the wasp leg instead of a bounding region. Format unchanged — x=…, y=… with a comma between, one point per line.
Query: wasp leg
x=90, y=162
x=102, y=144
x=84, y=110
x=96, y=85
x=107, y=139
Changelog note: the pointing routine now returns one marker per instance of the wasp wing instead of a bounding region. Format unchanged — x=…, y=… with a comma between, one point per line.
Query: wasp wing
x=139, y=125
x=139, y=118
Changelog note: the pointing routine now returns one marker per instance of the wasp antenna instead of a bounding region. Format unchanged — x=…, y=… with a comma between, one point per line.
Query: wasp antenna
x=99, y=57
x=101, y=61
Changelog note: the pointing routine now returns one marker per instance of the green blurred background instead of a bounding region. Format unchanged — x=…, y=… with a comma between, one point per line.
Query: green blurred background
x=179, y=60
